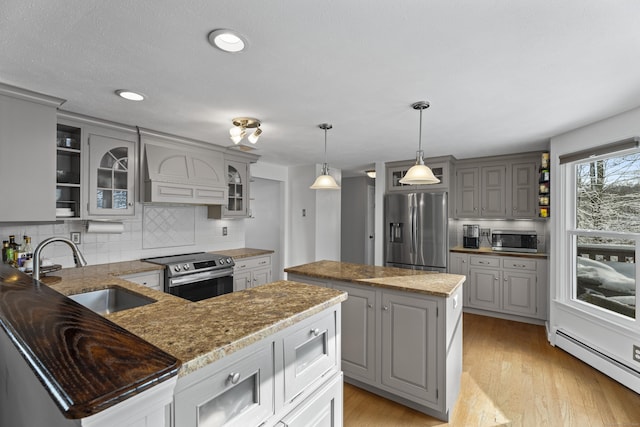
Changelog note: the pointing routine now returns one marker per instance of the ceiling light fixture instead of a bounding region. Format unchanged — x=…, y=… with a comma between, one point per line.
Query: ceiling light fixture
x=325, y=181
x=371, y=173
x=239, y=129
x=227, y=40
x=419, y=173
x=131, y=96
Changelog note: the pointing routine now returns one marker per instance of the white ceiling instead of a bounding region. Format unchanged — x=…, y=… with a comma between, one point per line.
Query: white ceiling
x=502, y=76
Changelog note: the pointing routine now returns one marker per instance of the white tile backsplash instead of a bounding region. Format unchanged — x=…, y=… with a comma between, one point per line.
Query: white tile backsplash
x=200, y=234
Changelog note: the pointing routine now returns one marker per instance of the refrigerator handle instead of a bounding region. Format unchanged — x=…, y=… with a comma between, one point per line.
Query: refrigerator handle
x=414, y=229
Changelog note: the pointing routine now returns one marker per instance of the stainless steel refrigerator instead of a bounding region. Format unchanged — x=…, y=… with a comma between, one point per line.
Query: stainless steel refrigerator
x=417, y=230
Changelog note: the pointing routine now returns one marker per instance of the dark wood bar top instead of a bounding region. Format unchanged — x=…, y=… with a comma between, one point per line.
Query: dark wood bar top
x=85, y=362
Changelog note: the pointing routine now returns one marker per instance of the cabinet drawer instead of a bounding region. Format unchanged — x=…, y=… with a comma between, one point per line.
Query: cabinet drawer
x=309, y=352
x=150, y=280
x=253, y=262
x=519, y=264
x=240, y=394
x=484, y=261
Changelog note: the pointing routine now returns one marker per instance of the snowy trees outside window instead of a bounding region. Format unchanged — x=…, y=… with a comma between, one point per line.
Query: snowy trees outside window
x=607, y=220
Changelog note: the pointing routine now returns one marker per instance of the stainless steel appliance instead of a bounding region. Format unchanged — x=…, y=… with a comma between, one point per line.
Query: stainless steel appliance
x=196, y=276
x=471, y=236
x=417, y=233
x=514, y=241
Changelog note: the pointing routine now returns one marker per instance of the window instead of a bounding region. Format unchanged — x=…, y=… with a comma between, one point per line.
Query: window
x=606, y=234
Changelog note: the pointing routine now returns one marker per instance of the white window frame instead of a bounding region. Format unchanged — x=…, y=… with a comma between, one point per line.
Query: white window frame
x=570, y=233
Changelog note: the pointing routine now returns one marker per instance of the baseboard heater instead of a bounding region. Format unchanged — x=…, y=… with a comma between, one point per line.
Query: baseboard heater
x=595, y=358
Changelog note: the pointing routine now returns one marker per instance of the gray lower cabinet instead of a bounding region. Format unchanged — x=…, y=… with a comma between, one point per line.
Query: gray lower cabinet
x=291, y=378
x=150, y=279
x=402, y=345
x=359, y=330
x=410, y=346
x=503, y=285
x=251, y=272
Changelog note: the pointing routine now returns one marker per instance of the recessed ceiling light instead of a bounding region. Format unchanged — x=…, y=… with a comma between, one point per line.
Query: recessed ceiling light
x=131, y=96
x=227, y=40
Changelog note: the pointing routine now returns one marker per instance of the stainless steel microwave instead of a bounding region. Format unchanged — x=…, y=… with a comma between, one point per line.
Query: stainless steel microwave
x=514, y=241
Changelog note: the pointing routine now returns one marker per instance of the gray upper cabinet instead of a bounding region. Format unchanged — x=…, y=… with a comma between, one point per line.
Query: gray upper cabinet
x=238, y=198
x=27, y=155
x=524, y=179
x=111, y=176
x=442, y=168
x=493, y=191
x=497, y=187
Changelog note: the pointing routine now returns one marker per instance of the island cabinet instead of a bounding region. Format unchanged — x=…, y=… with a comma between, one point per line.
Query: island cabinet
x=251, y=271
x=405, y=346
x=503, y=286
x=497, y=187
x=290, y=378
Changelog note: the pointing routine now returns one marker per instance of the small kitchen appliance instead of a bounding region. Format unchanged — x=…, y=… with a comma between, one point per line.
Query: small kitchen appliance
x=196, y=276
x=514, y=241
x=471, y=236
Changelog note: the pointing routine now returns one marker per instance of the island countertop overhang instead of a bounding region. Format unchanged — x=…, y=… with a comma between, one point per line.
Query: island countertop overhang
x=426, y=282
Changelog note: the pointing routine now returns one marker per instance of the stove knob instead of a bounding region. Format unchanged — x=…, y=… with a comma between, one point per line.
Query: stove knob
x=176, y=268
x=221, y=261
x=185, y=267
x=228, y=260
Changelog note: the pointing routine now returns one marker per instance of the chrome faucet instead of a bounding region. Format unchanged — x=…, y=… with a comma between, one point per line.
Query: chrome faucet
x=77, y=255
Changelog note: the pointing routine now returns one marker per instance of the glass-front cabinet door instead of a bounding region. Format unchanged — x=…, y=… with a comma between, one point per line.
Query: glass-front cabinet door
x=111, y=176
x=238, y=199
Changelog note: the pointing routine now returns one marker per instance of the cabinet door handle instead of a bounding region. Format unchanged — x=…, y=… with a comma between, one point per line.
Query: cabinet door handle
x=495, y=278
x=234, y=377
x=385, y=308
x=315, y=332
x=370, y=305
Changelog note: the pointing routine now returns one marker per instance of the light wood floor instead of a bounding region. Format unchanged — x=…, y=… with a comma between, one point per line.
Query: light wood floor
x=511, y=377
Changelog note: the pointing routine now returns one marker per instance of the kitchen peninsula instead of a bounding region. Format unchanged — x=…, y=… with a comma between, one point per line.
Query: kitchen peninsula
x=249, y=347
x=402, y=331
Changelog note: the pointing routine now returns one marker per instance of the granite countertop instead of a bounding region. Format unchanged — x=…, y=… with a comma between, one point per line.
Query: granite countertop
x=172, y=335
x=85, y=362
x=198, y=333
x=426, y=282
x=489, y=251
x=243, y=252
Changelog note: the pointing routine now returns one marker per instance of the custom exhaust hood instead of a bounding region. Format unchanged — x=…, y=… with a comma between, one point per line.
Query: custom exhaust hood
x=179, y=172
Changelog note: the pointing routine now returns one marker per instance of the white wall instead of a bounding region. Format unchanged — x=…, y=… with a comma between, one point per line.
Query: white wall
x=611, y=339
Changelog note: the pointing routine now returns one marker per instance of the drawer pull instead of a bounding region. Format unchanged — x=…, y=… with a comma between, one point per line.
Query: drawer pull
x=520, y=265
x=482, y=262
x=315, y=332
x=234, y=377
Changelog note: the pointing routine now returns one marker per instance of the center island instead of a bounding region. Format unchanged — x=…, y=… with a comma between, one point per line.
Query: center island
x=401, y=331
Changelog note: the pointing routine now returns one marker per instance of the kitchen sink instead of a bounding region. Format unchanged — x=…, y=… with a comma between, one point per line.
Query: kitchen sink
x=111, y=300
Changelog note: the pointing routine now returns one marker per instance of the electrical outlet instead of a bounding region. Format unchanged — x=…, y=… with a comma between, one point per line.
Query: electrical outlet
x=304, y=212
x=75, y=237
x=485, y=232
x=224, y=231
x=636, y=353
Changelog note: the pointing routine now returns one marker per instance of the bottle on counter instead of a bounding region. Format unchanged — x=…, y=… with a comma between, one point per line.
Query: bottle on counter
x=12, y=250
x=28, y=250
x=5, y=246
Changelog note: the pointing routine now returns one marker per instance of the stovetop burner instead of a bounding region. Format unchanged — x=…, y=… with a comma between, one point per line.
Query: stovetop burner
x=192, y=263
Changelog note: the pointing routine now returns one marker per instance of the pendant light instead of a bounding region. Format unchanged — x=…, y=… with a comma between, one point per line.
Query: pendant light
x=325, y=181
x=419, y=173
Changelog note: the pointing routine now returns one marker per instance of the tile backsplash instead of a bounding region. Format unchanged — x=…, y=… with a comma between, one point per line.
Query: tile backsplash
x=155, y=230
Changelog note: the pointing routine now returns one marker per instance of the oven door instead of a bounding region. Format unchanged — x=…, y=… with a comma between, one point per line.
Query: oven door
x=202, y=285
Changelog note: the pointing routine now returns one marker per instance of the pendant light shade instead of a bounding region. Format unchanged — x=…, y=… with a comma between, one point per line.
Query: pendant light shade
x=419, y=173
x=325, y=181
